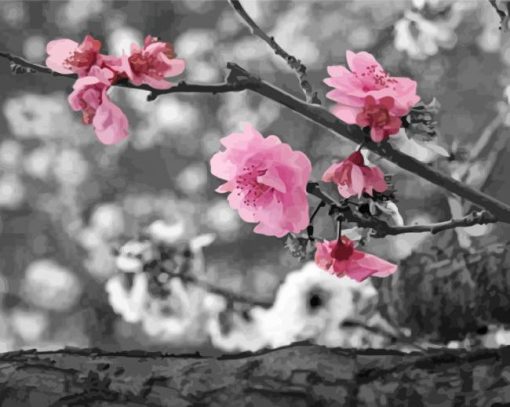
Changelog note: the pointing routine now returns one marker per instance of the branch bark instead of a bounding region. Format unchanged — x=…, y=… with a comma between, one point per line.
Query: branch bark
x=298, y=375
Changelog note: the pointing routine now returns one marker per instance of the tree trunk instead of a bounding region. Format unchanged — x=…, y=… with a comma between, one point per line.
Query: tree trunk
x=297, y=375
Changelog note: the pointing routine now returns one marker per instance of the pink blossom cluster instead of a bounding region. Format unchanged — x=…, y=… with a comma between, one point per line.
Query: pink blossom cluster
x=97, y=72
x=340, y=258
x=353, y=177
x=366, y=95
x=266, y=180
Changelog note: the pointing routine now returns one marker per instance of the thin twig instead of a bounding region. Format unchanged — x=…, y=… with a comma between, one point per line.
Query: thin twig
x=227, y=294
x=474, y=218
x=381, y=228
x=316, y=211
x=503, y=16
x=294, y=63
x=239, y=79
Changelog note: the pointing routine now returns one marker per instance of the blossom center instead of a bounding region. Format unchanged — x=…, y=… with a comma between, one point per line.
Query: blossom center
x=342, y=251
x=138, y=63
x=376, y=115
x=247, y=183
x=88, y=114
x=376, y=78
x=81, y=59
x=169, y=51
x=357, y=158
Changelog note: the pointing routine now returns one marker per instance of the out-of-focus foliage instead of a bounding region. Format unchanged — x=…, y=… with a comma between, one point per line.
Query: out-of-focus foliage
x=66, y=200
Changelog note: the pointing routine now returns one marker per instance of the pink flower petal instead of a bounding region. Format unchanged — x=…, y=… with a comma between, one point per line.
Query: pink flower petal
x=377, y=134
x=272, y=179
x=349, y=99
x=329, y=174
x=347, y=114
x=378, y=266
x=226, y=187
x=358, y=62
x=156, y=83
x=357, y=180
x=58, y=51
x=176, y=66
x=339, y=71
x=110, y=123
x=376, y=179
x=222, y=167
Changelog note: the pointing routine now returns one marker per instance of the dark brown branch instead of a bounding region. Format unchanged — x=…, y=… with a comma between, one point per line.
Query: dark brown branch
x=239, y=79
x=294, y=63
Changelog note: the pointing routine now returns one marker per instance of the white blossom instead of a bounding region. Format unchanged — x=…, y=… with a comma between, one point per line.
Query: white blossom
x=128, y=298
x=133, y=255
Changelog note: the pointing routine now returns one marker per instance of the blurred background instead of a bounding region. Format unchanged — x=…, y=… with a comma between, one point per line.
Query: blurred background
x=69, y=205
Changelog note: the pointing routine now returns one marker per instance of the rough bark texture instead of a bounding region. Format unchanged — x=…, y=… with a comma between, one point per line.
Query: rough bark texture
x=455, y=291
x=297, y=375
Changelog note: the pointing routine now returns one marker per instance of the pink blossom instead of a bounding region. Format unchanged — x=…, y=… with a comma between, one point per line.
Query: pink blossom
x=353, y=177
x=365, y=78
x=266, y=180
x=151, y=64
x=377, y=116
x=67, y=56
x=339, y=257
x=89, y=97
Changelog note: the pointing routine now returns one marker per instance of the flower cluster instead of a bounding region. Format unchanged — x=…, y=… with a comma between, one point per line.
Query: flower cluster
x=342, y=259
x=265, y=178
x=353, y=177
x=97, y=72
x=368, y=96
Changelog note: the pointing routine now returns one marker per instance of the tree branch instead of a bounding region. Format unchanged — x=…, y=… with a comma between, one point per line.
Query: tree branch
x=299, y=374
x=381, y=228
x=239, y=79
x=181, y=87
x=474, y=218
x=319, y=115
x=294, y=63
